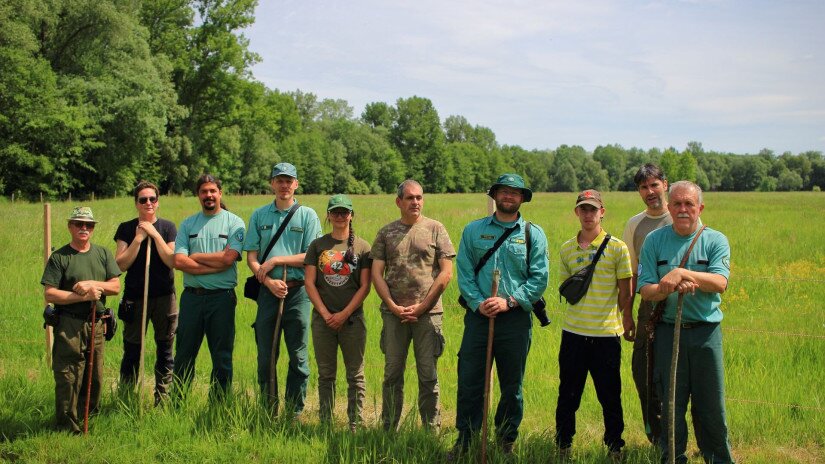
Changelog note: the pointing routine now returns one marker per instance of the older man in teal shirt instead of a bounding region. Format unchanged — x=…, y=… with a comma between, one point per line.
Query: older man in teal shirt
x=288, y=252
x=519, y=287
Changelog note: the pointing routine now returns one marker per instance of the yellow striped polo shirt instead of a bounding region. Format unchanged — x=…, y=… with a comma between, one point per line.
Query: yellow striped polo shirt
x=597, y=314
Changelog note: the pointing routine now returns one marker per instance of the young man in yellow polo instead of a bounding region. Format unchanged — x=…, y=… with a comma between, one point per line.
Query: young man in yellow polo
x=592, y=328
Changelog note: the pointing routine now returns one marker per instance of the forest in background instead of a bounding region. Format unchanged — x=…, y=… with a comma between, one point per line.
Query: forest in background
x=98, y=94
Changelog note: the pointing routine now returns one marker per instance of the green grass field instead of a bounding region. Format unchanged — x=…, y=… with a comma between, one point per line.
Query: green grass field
x=774, y=336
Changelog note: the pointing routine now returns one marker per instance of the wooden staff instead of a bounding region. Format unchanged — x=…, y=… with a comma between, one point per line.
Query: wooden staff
x=671, y=401
x=276, y=342
x=141, y=371
x=47, y=251
x=488, y=371
x=90, y=366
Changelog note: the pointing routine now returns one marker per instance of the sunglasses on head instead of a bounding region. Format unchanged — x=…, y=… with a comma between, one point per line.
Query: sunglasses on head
x=82, y=224
x=143, y=200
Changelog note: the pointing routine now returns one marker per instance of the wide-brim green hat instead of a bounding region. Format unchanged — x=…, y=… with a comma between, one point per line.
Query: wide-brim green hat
x=339, y=201
x=513, y=181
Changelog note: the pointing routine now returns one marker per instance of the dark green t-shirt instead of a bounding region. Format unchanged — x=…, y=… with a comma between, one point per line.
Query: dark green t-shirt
x=336, y=280
x=67, y=266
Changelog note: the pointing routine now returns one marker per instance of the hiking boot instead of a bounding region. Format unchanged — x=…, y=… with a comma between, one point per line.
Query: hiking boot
x=456, y=453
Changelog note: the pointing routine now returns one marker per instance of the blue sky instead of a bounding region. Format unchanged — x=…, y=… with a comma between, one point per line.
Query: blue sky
x=736, y=76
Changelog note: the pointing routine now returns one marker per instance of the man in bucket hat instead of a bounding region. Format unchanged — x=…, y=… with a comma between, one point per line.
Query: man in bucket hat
x=289, y=251
x=77, y=276
x=519, y=287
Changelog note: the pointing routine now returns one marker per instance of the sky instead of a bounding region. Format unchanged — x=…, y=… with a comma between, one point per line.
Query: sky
x=736, y=76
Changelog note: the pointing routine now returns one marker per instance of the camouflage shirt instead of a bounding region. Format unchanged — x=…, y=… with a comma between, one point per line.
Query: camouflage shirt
x=410, y=255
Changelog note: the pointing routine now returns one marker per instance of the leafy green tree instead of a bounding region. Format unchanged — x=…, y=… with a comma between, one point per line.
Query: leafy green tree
x=789, y=181
x=687, y=166
x=746, y=173
x=417, y=135
x=669, y=162
x=613, y=159
x=379, y=114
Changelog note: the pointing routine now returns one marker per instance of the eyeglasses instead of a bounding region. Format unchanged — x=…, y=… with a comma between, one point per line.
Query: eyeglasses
x=143, y=200
x=82, y=224
x=341, y=213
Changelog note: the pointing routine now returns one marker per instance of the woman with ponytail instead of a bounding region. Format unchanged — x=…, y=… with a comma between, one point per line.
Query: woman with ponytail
x=337, y=273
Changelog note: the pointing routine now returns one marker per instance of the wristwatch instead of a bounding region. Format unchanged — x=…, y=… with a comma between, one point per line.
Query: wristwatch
x=511, y=303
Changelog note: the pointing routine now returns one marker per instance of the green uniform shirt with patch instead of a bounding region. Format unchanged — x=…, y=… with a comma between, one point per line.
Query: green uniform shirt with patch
x=67, y=266
x=411, y=255
x=337, y=281
x=200, y=233
x=303, y=228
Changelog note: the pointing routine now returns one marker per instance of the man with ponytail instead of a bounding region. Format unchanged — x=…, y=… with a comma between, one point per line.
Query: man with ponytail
x=337, y=272
x=289, y=251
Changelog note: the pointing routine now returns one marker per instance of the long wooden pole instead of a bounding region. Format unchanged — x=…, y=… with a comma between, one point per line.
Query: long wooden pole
x=488, y=371
x=141, y=370
x=90, y=367
x=47, y=251
x=273, y=358
x=671, y=400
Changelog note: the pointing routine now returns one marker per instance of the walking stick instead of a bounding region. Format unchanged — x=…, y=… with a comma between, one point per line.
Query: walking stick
x=488, y=371
x=141, y=371
x=47, y=251
x=90, y=366
x=273, y=357
x=671, y=401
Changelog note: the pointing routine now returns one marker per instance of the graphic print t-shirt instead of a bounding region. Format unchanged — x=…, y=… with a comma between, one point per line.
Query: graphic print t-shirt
x=336, y=280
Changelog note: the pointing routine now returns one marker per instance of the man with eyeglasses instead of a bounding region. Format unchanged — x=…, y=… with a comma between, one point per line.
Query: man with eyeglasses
x=77, y=278
x=412, y=265
x=288, y=252
x=206, y=250
x=161, y=307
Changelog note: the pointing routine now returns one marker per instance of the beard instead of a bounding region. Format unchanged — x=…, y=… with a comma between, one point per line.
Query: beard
x=507, y=209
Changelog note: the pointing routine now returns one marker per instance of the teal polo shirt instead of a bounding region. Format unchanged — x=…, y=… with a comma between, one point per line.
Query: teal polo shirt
x=662, y=252
x=510, y=259
x=200, y=233
x=303, y=228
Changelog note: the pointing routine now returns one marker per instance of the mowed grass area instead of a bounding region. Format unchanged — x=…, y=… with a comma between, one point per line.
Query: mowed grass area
x=774, y=338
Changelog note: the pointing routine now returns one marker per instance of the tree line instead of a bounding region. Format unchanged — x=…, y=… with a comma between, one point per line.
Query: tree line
x=98, y=94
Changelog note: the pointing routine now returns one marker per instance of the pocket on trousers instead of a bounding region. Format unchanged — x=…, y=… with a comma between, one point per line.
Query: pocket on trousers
x=439, y=342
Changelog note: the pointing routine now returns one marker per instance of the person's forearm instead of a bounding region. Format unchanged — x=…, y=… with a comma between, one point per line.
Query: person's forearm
x=708, y=282
x=435, y=292
x=126, y=256
x=190, y=266
x=650, y=292
x=289, y=260
x=62, y=297
x=165, y=251
x=111, y=286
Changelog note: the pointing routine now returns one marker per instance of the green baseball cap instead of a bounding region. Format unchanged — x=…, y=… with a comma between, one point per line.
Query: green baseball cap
x=83, y=214
x=514, y=181
x=339, y=201
x=284, y=169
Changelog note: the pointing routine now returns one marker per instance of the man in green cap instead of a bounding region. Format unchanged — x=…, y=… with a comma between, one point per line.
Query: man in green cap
x=288, y=252
x=523, y=281
x=206, y=250
x=412, y=263
x=77, y=279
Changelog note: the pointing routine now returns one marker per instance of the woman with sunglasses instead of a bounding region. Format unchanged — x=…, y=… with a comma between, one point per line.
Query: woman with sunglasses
x=337, y=273
x=162, y=310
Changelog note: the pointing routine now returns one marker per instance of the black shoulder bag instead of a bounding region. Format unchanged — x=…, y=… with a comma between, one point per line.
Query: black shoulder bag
x=251, y=288
x=575, y=287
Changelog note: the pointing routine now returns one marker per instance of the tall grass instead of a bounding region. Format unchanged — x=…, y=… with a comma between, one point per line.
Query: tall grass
x=774, y=339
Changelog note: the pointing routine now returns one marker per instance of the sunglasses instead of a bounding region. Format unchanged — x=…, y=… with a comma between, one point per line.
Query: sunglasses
x=341, y=213
x=82, y=224
x=143, y=200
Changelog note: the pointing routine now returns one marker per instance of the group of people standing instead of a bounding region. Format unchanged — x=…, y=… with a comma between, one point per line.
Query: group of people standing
x=410, y=264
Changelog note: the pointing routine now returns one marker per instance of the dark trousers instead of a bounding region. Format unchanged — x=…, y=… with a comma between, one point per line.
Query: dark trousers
x=700, y=380
x=295, y=334
x=162, y=313
x=212, y=315
x=601, y=357
x=511, y=344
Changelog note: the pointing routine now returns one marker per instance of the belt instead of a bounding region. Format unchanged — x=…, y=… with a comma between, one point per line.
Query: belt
x=79, y=317
x=205, y=291
x=294, y=283
x=692, y=325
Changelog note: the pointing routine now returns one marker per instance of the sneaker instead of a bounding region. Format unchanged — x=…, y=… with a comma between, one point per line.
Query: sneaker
x=507, y=447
